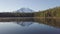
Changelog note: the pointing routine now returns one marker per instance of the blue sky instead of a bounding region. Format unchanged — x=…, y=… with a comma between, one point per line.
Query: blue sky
x=12, y=5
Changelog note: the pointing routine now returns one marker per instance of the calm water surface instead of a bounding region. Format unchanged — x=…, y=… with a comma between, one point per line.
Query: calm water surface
x=27, y=28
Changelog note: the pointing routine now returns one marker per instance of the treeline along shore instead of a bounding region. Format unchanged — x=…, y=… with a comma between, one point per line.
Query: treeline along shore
x=16, y=14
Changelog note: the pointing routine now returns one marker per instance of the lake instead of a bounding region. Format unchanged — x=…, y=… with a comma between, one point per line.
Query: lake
x=30, y=27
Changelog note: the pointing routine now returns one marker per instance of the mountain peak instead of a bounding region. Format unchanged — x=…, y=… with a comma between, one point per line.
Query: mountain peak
x=25, y=10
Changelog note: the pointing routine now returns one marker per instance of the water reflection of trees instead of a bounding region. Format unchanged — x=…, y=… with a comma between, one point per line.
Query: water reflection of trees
x=16, y=19
x=49, y=21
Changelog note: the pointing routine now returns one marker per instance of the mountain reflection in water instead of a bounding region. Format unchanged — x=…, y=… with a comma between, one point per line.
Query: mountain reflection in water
x=36, y=26
x=24, y=23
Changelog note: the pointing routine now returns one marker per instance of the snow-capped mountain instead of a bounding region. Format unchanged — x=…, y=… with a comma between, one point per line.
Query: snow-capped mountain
x=25, y=10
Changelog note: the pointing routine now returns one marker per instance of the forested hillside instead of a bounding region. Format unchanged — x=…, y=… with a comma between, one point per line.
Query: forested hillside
x=52, y=12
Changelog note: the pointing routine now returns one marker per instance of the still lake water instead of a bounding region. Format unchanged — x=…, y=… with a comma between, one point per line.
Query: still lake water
x=27, y=28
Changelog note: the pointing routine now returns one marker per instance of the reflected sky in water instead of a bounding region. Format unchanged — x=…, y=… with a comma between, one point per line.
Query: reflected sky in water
x=28, y=28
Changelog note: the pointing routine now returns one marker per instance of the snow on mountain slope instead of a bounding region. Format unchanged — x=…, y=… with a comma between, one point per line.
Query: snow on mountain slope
x=25, y=10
